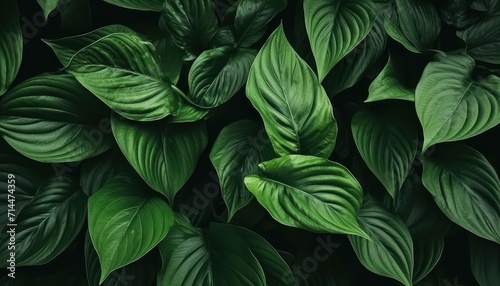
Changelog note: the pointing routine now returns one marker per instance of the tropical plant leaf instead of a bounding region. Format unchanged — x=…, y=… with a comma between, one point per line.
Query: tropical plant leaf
x=223, y=255
x=390, y=251
x=388, y=85
x=191, y=23
x=135, y=87
x=126, y=222
x=297, y=113
x=218, y=74
x=52, y=118
x=236, y=153
x=452, y=104
x=171, y=57
x=164, y=155
x=47, y=6
x=465, y=187
x=48, y=224
x=309, y=192
x=427, y=252
x=143, y=5
x=11, y=44
x=387, y=141
x=335, y=28
x=485, y=261
x=483, y=40
x=252, y=17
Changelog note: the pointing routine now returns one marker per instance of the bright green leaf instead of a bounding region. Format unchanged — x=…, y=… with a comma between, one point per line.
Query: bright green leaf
x=297, y=113
x=11, y=44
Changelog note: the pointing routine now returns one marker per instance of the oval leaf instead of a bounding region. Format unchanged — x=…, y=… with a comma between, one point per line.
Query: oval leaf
x=164, y=155
x=11, y=44
x=133, y=86
x=217, y=74
x=465, y=187
x=52, y=118
x=451, y=104
x=388, y=85
x=427, y=251
x=390, y=252
x=297, y=113
x=310, y=193
x=335, y=28
x=126, y=222
x=483, y=40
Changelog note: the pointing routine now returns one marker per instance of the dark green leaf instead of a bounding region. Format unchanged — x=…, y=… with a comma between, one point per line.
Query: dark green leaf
x=11, y=44
x=428, y=250
x=387, y=85
x=143, y=5
x=485, y=261
x=483, y=40
x=48, y=6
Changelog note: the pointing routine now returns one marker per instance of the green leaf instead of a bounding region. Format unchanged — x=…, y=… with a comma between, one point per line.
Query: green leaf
x=134, y=86
x=236, y=153
x=427, y=251
x=353, y=66
x=485, y=261
x=218, y=74
x=252, y=17
x=48, y=6
x=335, y=28
x=390, y=252
x=310, y=193
x=417, y=24
x=171, y=57
x=66, y=48
x=48, y=224
x=483, y=40
x=52, y=118
x=165, y=155
x=388, y=85
x=223, y=255
x=452, y=104
x=191, y=23
x=387, y=141
x=465, y=187
x=11, y=44
x=297, y=113
x=142, y=5
x=126, y=222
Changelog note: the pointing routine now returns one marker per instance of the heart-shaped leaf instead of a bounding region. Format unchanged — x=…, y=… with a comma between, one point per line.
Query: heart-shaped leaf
x=485, y=261
x=335, y=28
x=133, y=86
x=218, y=74
x=126, y=222
x=389, y=253
x=143, y=5
x=223, y=255
x=48, y=224
x=191, y=23
x=165, y=155
x=297, y=113
x=236, y=153
x=427, y=252
x=465, y=187
x=452, y=104
x=11, y=44
x=252, y=17
x=53, y=118
x=387, y=141
x=388, y=85
x=483, y=40
x=308, y=192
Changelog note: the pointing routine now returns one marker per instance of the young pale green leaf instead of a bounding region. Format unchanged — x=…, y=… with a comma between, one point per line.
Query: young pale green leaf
x=310, y=193
x=427, y=250
x=387, y=85
x=191, y=23
x=353, y=66
x=11, y=44
x=125, y=73
x=387, y=141
x=48, y=224
x=417, y=24
x=66, y=48
x=165, y=155
x=297, y=113
x=48, y=6
x=485, y=261
x=483, y=40
x=335, y=28
x=223, y=255
x=218, y=74
x=236, y=153
x=452, y=104
x=126, y=222
x=252, y=17
x=53, y=118
x=142, y=5
x=465, y=187
x=390, y=252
